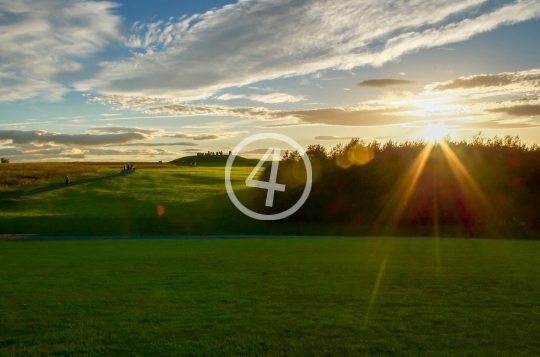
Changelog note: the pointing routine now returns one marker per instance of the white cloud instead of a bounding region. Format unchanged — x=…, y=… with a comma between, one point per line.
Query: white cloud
x=514, y=81
x=196, y=136
x=255, y=40
x=73, y=152
x=392, y=96
x=381, y=83
x=45, y=38
x=152, y=144
x=41, y=137
x=357, y=116
x=273, y=98
x=58, y=154
x=123, y=129
x=332, y=137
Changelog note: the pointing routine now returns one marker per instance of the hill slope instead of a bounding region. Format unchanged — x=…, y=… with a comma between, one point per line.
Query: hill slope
x=214, y=160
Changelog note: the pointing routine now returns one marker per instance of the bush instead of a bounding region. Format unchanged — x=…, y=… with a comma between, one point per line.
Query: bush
x=483, y=187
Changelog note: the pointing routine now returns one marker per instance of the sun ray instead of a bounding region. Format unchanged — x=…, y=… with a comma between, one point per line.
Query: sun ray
x=460, y=172
x=393, y=210
x=376, y=288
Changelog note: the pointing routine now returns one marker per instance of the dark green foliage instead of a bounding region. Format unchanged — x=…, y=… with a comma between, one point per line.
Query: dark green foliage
x=491, y=190
x=213, y=160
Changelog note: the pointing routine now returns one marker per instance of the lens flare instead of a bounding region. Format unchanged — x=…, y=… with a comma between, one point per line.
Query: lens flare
x=160, y=210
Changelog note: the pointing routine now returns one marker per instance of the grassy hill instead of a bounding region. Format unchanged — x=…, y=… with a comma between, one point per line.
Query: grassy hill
x=194, y=201
x=214, y=160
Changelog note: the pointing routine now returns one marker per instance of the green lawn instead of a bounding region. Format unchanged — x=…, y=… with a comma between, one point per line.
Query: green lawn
x=194, y=201
x=270, y=297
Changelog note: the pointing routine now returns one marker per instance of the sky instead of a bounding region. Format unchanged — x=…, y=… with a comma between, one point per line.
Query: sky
x=135, y=80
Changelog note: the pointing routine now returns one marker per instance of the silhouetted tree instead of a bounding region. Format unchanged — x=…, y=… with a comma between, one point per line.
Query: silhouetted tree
x=484, y=187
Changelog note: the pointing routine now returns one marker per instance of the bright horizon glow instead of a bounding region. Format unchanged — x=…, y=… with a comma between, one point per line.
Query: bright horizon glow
x=128, y=80
x=434, y=133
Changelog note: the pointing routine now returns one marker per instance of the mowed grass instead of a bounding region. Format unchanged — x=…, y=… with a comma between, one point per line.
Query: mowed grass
x=270, y=297
x=192, y=200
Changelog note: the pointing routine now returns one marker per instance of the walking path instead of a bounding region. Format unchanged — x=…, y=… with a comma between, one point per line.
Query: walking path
x=58, y=187
x=36, y=237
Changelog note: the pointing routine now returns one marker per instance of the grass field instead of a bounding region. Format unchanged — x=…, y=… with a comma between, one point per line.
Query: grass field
x=270, y=297
x=17, y=177
x=246, y=297
x=193, y=199
x=12, y=175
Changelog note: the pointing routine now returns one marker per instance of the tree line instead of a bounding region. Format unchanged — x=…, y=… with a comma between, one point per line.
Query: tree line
x=484, y=187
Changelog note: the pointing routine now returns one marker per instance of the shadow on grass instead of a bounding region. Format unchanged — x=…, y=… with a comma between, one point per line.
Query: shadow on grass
x=125, y=215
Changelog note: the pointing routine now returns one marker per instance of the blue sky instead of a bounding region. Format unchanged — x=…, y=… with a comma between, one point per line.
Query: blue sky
x=139, y=80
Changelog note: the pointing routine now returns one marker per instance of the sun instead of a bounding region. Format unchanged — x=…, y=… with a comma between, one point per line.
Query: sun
x=434, y=133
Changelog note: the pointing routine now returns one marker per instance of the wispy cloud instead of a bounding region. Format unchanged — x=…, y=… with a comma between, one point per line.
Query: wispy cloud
x=19, y=137
x=524, y=80
x=518, y=110
x=239, y=44
x=273, y=98
x=196, y=136
x=360, y=116
x=151, y=144
x=122, y=129
x=45, y=38
x=508, y=84
x=392, y=108
x=379, y=83
x=330, y=137
x=57, y=154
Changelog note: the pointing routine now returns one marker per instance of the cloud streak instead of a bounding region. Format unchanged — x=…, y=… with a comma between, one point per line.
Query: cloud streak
x=80, y=154
x=273, y=98
x=518, y=110
x=524, y=80
x=45, y=38
x=239, y=44
x=196, y=136
x=122, y=129
x=381, y=83
x=40, y=137
x=158, y=144
x=330, y=137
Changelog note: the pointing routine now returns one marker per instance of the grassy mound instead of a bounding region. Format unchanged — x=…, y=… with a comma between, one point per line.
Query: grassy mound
x=214, y=160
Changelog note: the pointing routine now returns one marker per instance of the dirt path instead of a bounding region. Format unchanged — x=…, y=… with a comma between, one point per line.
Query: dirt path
x=58, y=187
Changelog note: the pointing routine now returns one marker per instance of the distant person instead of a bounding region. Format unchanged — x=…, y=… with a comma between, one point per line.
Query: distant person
x=124, y=167
x=67, y=180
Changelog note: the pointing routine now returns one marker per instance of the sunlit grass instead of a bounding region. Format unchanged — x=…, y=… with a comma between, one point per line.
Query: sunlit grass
x=269, y=297
x=194, y=201
x=16, y=174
